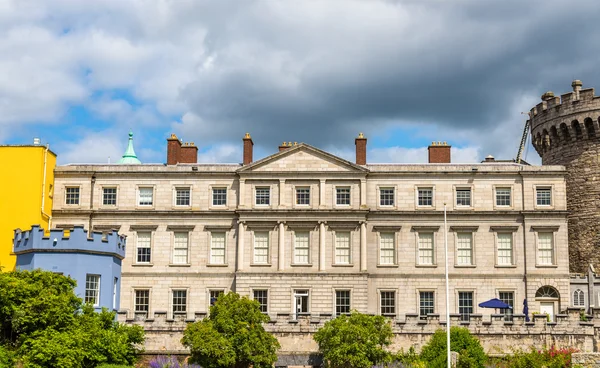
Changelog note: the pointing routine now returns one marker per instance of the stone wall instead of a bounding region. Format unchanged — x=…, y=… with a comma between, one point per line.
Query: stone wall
x=587, y=360
x=496, y=335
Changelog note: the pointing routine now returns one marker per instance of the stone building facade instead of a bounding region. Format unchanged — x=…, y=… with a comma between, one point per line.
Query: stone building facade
x=565, y=132
x=310, y=235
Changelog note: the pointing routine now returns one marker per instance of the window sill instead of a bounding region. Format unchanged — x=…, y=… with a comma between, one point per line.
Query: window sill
x=109, y=207
x=150, y=207
x=342, y=265
x=426, y=265
x=425, y=207
x=387, y=266
x=142, y=264
x=217, y=265
x=342, y=206
x=180, y=265
x=546, y=266
x=301, y=265
x=218, y=207
x=464, y=208
x=181, y=208
x=465, y=266
x=506, y=266
x=261, y=265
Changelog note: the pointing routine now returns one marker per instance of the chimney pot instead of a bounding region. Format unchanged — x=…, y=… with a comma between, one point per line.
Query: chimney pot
x=284, y=146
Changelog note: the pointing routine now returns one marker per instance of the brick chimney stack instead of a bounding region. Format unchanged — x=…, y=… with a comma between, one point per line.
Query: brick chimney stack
x=248, y=148
x=439, y=153
x=173, y=150
x=181, y=153
x=188, y=153
x=284, y=146
x=361, y=149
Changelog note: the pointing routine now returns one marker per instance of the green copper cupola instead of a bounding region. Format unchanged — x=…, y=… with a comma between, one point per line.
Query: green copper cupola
x=129, y=157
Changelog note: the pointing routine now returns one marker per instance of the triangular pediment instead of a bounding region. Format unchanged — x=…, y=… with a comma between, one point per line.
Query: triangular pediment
x=303, y=158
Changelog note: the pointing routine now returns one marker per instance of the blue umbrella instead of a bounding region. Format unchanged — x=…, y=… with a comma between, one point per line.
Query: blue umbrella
x=525, y=310
x=495, y=303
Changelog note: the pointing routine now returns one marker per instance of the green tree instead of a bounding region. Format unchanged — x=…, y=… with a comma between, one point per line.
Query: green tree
x=471, y=354
x=34, y=301
x=44, y=324
x=355, y=341
x=232, y=336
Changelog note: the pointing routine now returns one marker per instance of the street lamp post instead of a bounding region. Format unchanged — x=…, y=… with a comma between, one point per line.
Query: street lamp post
x=447, y=290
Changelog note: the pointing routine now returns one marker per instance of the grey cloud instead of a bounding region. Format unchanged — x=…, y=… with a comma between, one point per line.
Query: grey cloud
x=311, y=71
x=293, y=74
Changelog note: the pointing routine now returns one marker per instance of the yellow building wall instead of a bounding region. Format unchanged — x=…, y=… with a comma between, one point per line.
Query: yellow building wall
x=21, y=188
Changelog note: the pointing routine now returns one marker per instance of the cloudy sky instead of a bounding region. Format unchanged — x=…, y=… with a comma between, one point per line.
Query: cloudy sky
x=80, y=73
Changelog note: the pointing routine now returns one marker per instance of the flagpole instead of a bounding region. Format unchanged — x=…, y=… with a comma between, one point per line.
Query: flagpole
x=447, y=290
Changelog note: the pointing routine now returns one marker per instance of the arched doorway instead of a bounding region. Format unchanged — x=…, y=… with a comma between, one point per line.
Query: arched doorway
x=549, y=300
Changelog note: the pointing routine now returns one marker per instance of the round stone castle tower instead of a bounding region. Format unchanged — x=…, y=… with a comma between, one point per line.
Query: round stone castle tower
x=565, y=131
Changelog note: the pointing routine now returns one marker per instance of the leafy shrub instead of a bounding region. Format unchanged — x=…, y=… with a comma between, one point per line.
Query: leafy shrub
x=397, y=364
x=545, y=358
x=94, y=338
x=409, y=359
x=106, y=365
x=357, y=341
x=169, y=362
x=232, y=336
x=47, y=325
x=461, y=341
x=6, y=357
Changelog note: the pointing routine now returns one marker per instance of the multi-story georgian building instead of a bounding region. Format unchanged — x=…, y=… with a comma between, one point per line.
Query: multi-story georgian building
x=305, y=232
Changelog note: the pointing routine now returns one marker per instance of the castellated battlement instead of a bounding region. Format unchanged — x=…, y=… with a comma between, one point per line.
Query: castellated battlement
x=572, y=117
x=164, y=331
x=76, y=240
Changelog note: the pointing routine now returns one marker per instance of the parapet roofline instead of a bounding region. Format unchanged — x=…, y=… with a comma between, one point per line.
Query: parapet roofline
x=27, y=146
x=146, y=168
x=369, y=168
x=149, y=164
x=462, y=168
